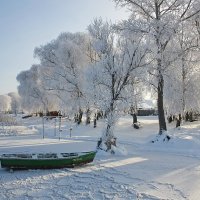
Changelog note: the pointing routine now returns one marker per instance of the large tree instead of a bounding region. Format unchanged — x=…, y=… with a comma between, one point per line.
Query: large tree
x=34, y=97
x=63, y=62
x=159, y=20
x=15, y=102
x=182, y=85
x=119, y=59
x=5, y=103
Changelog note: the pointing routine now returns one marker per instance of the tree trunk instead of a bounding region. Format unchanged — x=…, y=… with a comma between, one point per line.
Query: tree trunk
x=109, y=137
x=80, y=115
x=191, y=117
x=161, y=114
x=134, y=118
x=178, y=121
x=88, y=113
x=160, y=50
x=95, y=122
x=184, y=76
x=111, y=140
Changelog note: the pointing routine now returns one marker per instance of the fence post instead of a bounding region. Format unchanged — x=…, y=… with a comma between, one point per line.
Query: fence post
x=59, y=127
x=43, y=127
x=70, y=132
x=55, y=128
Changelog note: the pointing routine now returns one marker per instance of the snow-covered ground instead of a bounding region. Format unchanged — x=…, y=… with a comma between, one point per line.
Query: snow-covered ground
x=139, y=170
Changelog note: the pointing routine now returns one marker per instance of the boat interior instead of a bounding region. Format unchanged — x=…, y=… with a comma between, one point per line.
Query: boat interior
x=39, y=156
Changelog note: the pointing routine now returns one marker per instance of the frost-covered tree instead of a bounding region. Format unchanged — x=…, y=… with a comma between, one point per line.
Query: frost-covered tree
x=63, y=62
x=181, y=84
x=111, y=75
x=5, y=103
x=159, y=20
x=15, y=102
x=34, y=96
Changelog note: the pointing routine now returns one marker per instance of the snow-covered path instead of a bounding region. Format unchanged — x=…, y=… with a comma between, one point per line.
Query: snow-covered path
x=130, y=178
x=145, y=171
x=142, y=175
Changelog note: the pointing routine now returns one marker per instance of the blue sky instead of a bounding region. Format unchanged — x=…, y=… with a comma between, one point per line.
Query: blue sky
x=26, y=24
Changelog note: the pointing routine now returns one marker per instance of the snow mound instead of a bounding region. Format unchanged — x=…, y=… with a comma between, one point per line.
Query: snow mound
x=165, y=137
x=119, y=150
x=115, y=150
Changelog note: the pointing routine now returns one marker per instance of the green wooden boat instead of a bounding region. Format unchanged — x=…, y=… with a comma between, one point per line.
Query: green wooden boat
x=46, y=161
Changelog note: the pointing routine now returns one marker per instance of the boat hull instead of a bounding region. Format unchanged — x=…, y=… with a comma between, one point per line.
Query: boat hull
x=47, y=163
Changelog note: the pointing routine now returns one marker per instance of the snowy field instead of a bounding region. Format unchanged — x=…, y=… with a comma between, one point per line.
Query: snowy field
x=139, y=170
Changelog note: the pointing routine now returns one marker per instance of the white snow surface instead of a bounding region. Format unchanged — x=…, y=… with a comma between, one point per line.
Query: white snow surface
x=139, y=169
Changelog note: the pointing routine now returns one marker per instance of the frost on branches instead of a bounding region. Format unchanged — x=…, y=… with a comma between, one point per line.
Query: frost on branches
x=106, y=69
x=159, y=20
x=119, y=60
